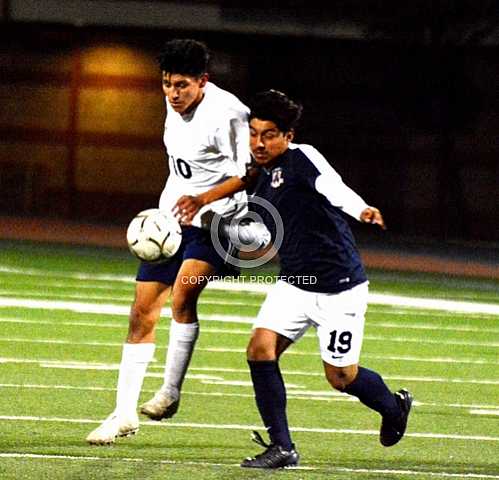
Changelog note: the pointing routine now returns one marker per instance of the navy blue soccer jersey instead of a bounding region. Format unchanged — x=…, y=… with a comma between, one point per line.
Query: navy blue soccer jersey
x=318, y=251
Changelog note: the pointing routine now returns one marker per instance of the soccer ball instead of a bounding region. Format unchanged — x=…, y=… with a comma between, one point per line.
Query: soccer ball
x=154, y=235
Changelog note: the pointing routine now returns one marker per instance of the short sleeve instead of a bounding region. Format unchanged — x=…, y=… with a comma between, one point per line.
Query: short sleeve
x=233, y=139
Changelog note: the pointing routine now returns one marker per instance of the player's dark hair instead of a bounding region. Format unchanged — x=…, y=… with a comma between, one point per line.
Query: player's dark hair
x=185, y=57
x=277, y=107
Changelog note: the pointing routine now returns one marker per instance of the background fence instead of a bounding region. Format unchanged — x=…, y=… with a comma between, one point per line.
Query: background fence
x=410, y=119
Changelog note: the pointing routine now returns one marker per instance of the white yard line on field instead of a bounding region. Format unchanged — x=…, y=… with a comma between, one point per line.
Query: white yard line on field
x=223, y=318
x=423, y=359
x=319, y=395
x=370, y=324
x=55, y=341
x=326, y=469
x=427, y=326
x=38, y=272
x=245, y=284
x=102, y=308
x=443, y=436
x=57, y=296
x=405, y=358
x=485, y=412
x=111, y=309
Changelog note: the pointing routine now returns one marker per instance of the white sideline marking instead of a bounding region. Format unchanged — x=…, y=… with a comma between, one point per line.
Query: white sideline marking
x=485, y=412
x=124, y=310
x=370, y=325
x=392, y=310
x=203, y=301
x=375, y=338
x=103, y=309
x=397, y=358
x=383, y=299
x=346, y=431
x=241, y=285
x=118, y=325
x=423, y=326
x=113, y=298
x=308, y=374
x=430, y=341
x=233, y=350
x=294, y=395
x=38, y=272
x=329, y=395
x=37, y=456
x=91, y=366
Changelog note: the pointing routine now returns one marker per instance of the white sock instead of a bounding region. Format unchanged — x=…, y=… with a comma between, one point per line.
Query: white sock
x=181, y=343
x=134, y=360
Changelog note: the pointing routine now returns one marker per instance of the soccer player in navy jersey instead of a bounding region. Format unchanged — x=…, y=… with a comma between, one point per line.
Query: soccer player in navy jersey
x=322, y=282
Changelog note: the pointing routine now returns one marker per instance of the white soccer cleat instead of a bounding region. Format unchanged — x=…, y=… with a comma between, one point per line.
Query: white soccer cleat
x=112, y=427
x=160, y=406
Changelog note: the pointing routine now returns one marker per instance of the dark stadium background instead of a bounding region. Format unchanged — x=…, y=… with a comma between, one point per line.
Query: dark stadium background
x=402, y=98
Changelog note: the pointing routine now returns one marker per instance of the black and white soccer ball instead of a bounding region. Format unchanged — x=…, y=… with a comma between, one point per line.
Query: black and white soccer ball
x=154, y=235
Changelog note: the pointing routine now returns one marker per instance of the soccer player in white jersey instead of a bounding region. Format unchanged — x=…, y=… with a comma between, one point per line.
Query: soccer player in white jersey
x=206, y=137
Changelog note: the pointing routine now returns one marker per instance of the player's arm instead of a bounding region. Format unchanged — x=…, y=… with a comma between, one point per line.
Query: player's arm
x=187, y=205
x=343, y=197
x=330, y=184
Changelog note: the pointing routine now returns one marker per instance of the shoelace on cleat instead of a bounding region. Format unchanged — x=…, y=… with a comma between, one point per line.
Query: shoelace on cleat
x=257, y=438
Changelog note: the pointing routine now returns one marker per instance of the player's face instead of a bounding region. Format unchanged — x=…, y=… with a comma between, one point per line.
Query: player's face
x=267, y=142
x=184, y=92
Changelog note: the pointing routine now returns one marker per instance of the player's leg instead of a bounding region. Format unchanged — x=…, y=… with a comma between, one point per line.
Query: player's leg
x=278, y=324
x=368, y=386
x=263, y=353
x=136, y=354
x=340, y=321
x=184, y=329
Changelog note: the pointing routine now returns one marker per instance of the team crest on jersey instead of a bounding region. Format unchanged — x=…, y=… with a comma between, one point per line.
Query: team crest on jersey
x=277, y=178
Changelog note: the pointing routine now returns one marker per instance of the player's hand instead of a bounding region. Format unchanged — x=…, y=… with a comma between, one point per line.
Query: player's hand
x=186, y=208
x=372, y=215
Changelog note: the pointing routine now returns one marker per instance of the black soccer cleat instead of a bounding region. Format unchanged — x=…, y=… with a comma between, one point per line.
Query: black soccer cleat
x=392, y=430
x=274, y=456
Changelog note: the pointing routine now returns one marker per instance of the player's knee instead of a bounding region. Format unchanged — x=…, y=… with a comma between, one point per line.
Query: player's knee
x=183, y=306
x=340, y=378
x=143, y=319
x=260, y=352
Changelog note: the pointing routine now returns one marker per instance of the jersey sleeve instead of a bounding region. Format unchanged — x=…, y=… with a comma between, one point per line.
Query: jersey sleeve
x=329, y=183
x=232, y=138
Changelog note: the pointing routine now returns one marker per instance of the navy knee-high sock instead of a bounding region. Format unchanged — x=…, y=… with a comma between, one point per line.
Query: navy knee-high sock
x=372, y=391
x=270, y=396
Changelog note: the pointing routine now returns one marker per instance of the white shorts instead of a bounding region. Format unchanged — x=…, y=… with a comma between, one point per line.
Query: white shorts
x=338, y=318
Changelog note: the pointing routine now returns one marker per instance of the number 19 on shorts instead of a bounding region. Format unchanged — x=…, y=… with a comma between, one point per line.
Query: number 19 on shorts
x=341, y=342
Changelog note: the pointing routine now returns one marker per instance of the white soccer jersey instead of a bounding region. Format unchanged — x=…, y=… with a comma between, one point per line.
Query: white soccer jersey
x=205, y=148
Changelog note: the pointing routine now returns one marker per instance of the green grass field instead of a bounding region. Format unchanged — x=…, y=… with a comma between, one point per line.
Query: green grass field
x=63, y=318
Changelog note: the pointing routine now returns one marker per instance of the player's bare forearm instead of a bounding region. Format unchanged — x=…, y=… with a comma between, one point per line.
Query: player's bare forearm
x=372, y=215
x=187, y=206
x=223, y=190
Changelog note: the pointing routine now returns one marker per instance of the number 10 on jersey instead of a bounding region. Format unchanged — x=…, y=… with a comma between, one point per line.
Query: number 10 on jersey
x=181, y=167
